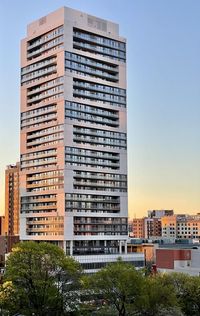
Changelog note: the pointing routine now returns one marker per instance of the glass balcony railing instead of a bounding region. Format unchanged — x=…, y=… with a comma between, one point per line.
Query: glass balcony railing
x=91, y=62
x=100, y=133
x=37, y=112
x=103, y=176
x=46, y=94
x=45, y=47
x=45, y=38
x=91, y=110
x=38, y=74
x=80, y=69
x=99, y=39
x=46, y=86
x=98, y=87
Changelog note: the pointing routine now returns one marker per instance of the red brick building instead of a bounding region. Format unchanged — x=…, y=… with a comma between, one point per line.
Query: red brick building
x=11, y=223
x=137, y=228
x=171, y=258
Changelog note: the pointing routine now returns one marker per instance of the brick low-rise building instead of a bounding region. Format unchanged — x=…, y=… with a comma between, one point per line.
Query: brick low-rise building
x=6, y=245
x=149, y=227
x=152, y=227
x=185, y=260
x=137, y=228
x=177, y=226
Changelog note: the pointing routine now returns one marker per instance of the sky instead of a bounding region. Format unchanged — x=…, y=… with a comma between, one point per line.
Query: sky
x=163, y=77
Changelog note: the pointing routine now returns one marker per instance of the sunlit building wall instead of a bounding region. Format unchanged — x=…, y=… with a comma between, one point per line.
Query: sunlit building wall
x=10, y=224
x=73, y=182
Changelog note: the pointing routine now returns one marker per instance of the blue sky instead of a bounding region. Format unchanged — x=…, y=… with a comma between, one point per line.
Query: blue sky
x=163, y=93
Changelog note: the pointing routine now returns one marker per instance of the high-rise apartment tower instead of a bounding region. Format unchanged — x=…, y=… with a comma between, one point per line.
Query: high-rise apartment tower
x=11, y=221
x=73, y=182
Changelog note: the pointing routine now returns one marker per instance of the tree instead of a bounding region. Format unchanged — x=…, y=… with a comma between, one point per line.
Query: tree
x=159, y=298
x=8, y=299
x=187, y=290
x=116, y=289
x=42, y=280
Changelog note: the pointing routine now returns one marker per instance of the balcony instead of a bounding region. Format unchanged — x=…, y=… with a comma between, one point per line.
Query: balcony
x=41, y=207
x=111, y=43
x=37, y=52
x=44, y=132
x=91, y=110
x=39, y=74
x=99, y=133
x=47, y=94
x=39, y=65
x=99, y=88
x=93, y=163
x=113, y=68
x=93, y=48
x=44, y=39
x=92, y=71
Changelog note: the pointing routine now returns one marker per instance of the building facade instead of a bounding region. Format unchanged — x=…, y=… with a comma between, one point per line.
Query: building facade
x=148, y=249
x=145, y=228
x=188, y=226
x=159, y=213
x=137, y=229
x=152, y=227
x=2, y=225
x=148, y=227
x=169, y=226
x=182, y=260
x=10, y=224
x=73, y=183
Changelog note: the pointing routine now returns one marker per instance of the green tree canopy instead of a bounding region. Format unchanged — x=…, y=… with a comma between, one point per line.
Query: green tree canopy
x=117, y=289
x=41, y=279
x=159, y=298
x=187, y=290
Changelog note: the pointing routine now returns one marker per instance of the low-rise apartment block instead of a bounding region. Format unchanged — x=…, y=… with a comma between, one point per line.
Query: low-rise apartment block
x=188, y=226
x=137, y=228
x=149, y=227
x=168, y=226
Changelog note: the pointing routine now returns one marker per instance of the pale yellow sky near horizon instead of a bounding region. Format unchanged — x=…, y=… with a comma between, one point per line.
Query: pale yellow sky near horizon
x=140, y=199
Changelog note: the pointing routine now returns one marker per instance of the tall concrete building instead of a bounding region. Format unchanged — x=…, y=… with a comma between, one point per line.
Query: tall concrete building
x=10, y=224
x=73, y=182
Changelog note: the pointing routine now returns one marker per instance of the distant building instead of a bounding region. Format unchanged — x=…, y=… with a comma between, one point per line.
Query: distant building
x=149, y=227
x=159, y=213
x=188, y=226
x=152, y=227
x=2, y=225
x=178, y=260
x=11, y=223
x=6, y=245
x=139, y=246
x=166, y=224
x=137, y=228
x=145, y=227
x=181, y=226
x=169, y=226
